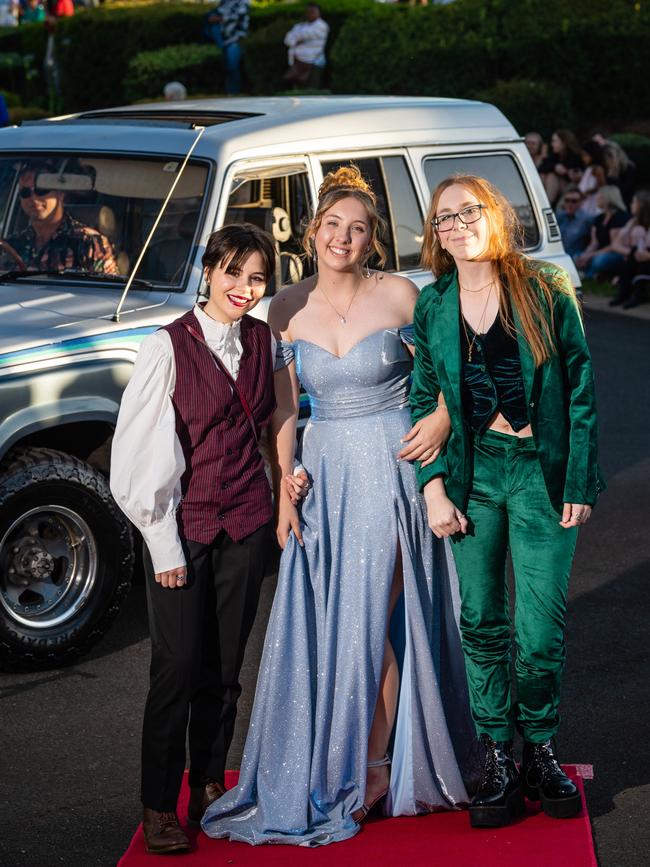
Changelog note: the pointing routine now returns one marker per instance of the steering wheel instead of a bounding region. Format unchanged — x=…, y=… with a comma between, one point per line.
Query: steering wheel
x=8, y=250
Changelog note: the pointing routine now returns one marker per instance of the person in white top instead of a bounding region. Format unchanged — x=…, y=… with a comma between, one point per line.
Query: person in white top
x=187, y=471
x=306, y=43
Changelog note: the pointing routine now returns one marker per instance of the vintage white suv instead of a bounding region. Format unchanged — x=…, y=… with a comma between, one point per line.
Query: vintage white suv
x=154, y=181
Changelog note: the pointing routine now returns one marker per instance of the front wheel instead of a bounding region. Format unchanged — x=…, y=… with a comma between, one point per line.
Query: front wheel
x=66, y=558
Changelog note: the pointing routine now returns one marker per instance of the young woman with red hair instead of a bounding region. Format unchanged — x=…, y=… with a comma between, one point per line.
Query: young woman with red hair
x=501, y=337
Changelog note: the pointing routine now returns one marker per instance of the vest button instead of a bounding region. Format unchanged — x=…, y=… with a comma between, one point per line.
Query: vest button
x=228, y=451
x=230, y=421
x=225, y=485
x=222, y=517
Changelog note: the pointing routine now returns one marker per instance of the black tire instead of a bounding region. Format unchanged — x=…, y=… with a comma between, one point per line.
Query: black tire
x=66, y=559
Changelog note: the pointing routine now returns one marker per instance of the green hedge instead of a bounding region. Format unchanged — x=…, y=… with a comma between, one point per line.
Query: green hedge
x=590, y=51
x=546, y=63
x=118, y=35
x=107, y=40
x=198, y=67
x=531, y=105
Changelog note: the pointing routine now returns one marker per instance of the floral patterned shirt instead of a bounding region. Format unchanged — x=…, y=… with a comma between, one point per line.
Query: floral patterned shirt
x=73, y=245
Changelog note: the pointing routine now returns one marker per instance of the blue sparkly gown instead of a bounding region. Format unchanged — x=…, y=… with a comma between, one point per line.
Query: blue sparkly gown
x=303, y=770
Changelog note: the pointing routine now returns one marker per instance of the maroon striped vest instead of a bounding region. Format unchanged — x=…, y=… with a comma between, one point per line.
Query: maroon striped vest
x=224, y=486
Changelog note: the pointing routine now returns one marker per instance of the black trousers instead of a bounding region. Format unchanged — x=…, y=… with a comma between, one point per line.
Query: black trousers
x=198, y=638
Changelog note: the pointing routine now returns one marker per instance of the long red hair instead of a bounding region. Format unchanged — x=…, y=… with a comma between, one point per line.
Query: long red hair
x=529, y=290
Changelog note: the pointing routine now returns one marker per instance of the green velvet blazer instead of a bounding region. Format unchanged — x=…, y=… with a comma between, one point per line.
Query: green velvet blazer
x=560, y=395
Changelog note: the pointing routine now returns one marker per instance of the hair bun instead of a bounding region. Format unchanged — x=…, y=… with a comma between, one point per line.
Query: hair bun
x=346, y=177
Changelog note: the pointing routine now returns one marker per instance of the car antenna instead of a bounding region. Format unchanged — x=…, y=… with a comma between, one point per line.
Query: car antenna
x=116, y=315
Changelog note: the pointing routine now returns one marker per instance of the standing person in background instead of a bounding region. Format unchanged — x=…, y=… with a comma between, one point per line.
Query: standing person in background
x=501, y=337
x=228, y=24
x=60, y=8
x=306, y=43
x=34, y=12
x=187, y=471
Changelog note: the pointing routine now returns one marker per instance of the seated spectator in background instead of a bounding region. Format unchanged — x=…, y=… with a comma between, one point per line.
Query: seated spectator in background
x=633, y=241
x=53, y=240
x=563, y=165
x=33, y=12
x=306, y=43
x=536, y=148
x=575, y=225
x=174, y=90
x=620, y=170
x=593, y=177
x=600, y=259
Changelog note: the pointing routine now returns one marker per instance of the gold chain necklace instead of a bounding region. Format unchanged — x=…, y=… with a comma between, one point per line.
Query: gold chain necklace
x=473, y=291
x=342, y=316
x=480, y=324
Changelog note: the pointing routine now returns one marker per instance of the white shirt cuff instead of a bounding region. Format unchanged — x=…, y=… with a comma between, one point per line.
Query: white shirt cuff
x=164, y=544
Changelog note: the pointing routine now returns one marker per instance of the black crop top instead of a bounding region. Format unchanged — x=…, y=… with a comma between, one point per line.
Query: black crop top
x=492, y=380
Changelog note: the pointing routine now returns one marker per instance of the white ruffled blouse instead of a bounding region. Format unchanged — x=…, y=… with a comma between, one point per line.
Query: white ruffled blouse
x=147, y=460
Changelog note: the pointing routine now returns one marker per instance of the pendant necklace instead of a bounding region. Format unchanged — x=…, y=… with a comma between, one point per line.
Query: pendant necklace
x=342, y=316
x=480, y=323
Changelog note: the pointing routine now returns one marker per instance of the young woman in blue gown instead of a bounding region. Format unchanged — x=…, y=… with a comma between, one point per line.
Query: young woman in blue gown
x=362, y=654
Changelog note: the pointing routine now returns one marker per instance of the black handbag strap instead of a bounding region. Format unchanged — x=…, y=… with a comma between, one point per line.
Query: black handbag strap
x=222, y=367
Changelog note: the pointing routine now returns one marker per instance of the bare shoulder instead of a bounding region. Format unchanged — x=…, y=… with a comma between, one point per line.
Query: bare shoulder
x=287, y=303
x=399, y=291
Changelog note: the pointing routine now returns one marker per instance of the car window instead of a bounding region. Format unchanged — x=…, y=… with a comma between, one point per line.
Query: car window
x=499, y=169
x=278, y=201
x=405, y=212
x=396, y=202
x=93, y=214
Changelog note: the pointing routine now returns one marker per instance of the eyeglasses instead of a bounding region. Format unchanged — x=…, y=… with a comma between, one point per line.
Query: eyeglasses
x=39, y=192
x=568, y=200
x=466, y=216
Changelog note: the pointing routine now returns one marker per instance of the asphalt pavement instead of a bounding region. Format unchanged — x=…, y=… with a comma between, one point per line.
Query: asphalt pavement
x=70, y=737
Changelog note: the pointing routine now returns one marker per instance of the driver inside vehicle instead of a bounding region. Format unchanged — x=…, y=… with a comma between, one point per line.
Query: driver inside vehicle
x=54, y=240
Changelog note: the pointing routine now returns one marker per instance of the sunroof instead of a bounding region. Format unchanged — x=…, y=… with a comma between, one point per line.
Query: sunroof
x=163, y=115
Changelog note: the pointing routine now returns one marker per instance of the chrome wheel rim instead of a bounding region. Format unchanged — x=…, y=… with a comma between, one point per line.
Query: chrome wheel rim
x=48, y=567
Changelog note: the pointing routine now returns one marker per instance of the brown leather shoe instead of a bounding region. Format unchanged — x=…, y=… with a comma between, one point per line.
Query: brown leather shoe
x=162, y=833
x=200, y=799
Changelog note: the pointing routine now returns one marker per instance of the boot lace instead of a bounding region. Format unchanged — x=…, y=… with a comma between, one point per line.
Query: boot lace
x=168, y=820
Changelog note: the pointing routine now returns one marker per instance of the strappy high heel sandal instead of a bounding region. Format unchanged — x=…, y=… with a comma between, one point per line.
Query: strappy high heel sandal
x=361, y=814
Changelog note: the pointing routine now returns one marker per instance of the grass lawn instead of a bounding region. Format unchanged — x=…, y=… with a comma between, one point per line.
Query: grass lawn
x=598, y=287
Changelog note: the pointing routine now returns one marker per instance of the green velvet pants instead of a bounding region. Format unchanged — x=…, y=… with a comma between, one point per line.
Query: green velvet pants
x=509, y=508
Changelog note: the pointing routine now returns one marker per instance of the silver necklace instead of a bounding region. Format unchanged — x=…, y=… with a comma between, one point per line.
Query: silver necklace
x=343, y=317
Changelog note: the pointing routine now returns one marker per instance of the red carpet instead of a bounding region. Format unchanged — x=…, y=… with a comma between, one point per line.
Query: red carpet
x=436, y=840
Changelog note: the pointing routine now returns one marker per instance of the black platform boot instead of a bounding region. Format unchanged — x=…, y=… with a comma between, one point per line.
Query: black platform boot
x=499, y=797
x=545, y=781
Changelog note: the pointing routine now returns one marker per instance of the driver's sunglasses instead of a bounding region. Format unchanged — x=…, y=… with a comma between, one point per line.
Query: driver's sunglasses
x=466, y=216
x=39, y=192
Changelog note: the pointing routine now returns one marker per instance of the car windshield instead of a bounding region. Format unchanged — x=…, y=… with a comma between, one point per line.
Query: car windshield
x=90, y=215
